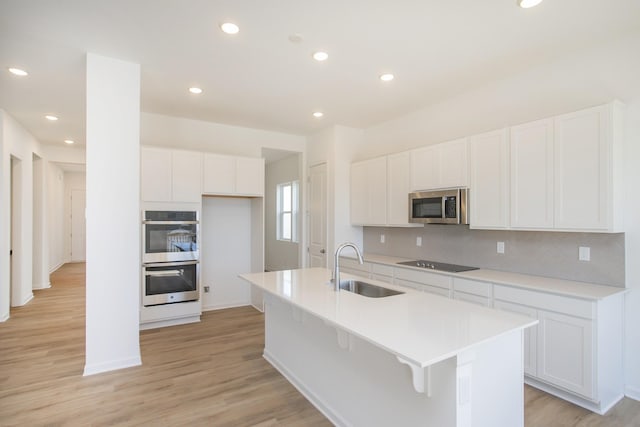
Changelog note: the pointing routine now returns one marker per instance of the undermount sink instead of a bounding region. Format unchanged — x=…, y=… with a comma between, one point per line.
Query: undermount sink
x=367, y=289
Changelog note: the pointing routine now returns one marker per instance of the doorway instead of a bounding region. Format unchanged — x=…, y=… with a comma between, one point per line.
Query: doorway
x=15, y=234
x=318, y=215
x=78, y=225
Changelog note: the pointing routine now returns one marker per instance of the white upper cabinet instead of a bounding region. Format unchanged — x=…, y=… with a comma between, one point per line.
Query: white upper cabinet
x=588, y=158
x=368, y=192
x=398, y=189
x=489, y=180
x=532, y=175
x=440, y=166
x=170, y=175
x=229, y=175
x=186, y=172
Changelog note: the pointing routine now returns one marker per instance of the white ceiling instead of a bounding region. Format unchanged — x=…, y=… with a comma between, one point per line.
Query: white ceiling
x=258, y=78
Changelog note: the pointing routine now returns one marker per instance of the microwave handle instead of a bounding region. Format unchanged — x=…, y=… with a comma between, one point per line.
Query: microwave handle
x=443, y=206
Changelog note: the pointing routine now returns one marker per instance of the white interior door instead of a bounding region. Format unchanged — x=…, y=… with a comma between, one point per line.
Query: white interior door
x=78, y=225
x=318, y=216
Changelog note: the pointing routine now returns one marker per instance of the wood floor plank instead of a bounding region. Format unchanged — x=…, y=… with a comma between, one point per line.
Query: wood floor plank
x=210, y=373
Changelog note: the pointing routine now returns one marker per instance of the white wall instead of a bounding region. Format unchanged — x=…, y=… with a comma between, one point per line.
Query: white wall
x=113, y=208
x=72, y=181
x=280, y=255
x=17, y=142
x=587, y=78
x=176, y=132
x=226, y=251
x=337, y=146
x=55, y=218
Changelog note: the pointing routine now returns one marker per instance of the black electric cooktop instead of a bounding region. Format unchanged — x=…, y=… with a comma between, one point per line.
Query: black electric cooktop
x=433, y=265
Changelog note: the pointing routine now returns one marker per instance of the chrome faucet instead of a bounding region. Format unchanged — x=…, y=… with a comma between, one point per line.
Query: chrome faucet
x=336, y=262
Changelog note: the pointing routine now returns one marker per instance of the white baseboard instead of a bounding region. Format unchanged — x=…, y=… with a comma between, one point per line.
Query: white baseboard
x=320, y=405
x=113, y=365
x=4, y=318
x=632, y=392
x=599, y=408
x=170, y=322
x=223, y=306
x=27, y=299
x=260, y=309
x=38, y=286
x=56, y=267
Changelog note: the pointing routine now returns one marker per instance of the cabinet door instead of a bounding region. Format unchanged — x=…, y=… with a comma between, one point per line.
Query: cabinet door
x=377, y=182
x=453, y=164
x=530, y=334
x=219, y=174
x=398, y=189
x=368, y=192
x=582, y=170
x=155, y=174
x=250, y=176
x=186, y=176
x=489, y=184
x=424, y=164
x=532, y=175
x=359, y=194
x=565, y=352
x=474, y=299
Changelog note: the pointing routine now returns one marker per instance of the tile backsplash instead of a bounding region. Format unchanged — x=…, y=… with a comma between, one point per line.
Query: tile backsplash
x=548, y=254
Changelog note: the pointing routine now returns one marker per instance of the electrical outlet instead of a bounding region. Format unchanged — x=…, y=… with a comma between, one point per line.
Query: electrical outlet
x=500, y=247
x=418, y=241
x=206, y=289
x=584, y=253
x=382, y=238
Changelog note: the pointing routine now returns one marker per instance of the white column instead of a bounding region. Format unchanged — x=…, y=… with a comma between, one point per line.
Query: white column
x=113, y=214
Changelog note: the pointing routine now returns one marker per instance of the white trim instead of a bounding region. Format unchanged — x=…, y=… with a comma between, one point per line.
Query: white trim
x=51, y=270
x=632, y=392
x=170, y=322
x=36, y=286
x=27, y=299
x=4, y=318
x=226, y=305
x=305, y=391
x=599, y=408
x=98, y=368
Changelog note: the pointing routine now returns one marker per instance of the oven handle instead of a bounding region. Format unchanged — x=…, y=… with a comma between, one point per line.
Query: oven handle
x=165, y=273
x=170, y=264
x=170, y=222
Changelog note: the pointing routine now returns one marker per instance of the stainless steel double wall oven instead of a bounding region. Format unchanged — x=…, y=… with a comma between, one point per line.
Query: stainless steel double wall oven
x=170, y=257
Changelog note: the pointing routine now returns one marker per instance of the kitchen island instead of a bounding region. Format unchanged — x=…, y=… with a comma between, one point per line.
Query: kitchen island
x=408, y=359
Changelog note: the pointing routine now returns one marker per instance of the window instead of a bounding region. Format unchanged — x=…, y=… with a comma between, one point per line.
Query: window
x=287, y=205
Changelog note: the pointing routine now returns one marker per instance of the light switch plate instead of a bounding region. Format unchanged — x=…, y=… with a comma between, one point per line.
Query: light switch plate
x=584, y=253
x=418, y=241
x=500, y=247
x=382, y=238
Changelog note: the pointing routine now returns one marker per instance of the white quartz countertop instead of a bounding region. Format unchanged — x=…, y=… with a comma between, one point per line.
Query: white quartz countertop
x=418, y=327
x=583, y=290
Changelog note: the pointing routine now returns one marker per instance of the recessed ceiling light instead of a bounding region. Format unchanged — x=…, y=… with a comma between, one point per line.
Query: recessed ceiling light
x=526, y=4
x=68, y=141
x=386, y=77
x=318, y=114
x=18, y=72
x=51, y=118
x=229, y=28
x=195, y=90
x=320, y=56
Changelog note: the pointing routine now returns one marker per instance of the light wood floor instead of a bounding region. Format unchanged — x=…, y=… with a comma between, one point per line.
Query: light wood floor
x=211, y=373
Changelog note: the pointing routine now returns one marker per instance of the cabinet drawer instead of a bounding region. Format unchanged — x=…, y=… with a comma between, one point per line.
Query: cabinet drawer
x=557, y=303
x=424, y=277
x=352, y=271
x=472, y=287
x=352, y=264
x=382, y=278
x=474, y=299
x=383, y=270
x=423, y=287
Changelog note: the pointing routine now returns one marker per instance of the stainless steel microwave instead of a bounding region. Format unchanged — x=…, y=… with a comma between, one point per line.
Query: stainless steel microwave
x=449, y=206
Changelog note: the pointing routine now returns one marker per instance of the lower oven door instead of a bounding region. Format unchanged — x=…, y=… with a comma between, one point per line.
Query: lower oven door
x=170, y=282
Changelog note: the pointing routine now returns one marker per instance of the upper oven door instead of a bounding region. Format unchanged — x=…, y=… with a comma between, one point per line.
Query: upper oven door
x=170, y=238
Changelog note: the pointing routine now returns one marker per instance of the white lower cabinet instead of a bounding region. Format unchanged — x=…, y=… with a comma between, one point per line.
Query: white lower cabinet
x=423, y=280
x=352, y=266
x=565, y=352
x=474, y=299
x=530, y=335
